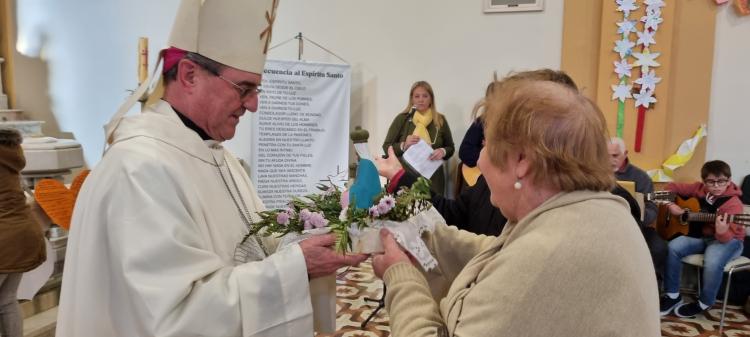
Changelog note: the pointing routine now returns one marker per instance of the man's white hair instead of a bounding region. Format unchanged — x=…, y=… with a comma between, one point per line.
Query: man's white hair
x=619, y=142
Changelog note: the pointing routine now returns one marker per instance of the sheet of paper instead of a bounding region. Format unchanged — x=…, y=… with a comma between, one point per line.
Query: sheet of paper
x=418, y=157
x=34, y=279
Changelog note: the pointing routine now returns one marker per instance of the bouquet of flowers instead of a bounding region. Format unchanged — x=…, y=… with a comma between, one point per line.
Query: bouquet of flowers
x=331, y=209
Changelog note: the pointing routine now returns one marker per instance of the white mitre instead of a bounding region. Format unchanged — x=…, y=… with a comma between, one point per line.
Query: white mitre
x=235, y=33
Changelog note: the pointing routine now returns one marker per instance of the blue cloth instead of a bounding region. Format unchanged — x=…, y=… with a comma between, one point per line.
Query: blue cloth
x=715, y=256
x=366, y=185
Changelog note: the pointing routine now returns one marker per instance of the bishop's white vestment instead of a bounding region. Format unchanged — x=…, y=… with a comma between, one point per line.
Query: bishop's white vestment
x=152, y=244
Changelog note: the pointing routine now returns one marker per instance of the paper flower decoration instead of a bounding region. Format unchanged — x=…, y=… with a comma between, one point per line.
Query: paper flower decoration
x=626, y=6
x=644, y=98
x=652, y=20
x=646, y=38
x=621, y=92
x=654, y=4
x=645, y=60
x=624, y=47
x=648, y=81
x=626, y=26
x=622, y=68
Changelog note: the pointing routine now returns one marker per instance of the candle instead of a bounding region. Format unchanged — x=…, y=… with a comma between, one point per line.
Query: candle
x=142, y=59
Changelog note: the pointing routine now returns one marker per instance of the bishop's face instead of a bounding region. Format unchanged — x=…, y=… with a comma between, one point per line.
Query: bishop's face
x=227, y=97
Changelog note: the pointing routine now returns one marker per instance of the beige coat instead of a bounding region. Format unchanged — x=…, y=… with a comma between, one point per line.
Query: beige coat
x=575, y=266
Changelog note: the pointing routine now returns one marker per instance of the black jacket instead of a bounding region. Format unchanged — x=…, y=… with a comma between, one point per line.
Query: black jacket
x=471, y=211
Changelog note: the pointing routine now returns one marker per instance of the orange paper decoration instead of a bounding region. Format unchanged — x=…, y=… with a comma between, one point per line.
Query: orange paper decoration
x=58, y=201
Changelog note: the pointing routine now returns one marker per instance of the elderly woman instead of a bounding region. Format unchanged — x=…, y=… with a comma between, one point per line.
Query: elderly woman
x=553, y=271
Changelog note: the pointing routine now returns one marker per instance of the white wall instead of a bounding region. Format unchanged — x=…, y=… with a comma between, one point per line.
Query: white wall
x=393, y=43
x=91, y=48
x=729, y=117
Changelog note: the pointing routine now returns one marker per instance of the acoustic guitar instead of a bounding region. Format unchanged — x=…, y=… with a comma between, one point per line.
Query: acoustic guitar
x=669, y=226
x=470, y=174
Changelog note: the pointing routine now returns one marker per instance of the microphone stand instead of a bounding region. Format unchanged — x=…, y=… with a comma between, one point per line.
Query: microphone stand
x=381, y=305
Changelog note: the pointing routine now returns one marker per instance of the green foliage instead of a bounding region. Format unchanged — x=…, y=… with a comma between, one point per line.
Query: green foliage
x=405, y=204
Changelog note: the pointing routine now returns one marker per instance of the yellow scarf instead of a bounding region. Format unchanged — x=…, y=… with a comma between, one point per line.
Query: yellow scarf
x=421, y=120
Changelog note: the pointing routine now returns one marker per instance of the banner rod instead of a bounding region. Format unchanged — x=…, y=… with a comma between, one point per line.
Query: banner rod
x=299, y=49
x=300, y=37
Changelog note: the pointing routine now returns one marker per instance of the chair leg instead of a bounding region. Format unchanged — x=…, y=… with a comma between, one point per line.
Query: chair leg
x=699, y=277
x=726, y=298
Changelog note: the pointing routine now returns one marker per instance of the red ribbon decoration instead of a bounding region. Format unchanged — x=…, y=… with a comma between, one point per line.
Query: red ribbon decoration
x=639, y=127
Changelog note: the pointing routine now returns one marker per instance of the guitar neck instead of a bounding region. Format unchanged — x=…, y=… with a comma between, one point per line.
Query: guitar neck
x=711, y=217
x=703, y=217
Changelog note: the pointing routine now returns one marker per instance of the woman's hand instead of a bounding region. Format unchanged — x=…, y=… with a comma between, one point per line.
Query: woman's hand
x=393, y=254
x=721, y=224
x=675, y=209
x=388, y=167
x=410, y=140
x=438, y=154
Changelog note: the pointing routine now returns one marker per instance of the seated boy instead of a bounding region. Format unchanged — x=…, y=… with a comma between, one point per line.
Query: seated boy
x=718, y=241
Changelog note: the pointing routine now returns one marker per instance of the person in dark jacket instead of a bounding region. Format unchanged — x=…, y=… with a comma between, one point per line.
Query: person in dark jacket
x=22, y=246
x=657, y=247
x=471, y=211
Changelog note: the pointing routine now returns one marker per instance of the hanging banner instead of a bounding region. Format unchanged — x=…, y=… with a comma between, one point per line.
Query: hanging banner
x=299, y=136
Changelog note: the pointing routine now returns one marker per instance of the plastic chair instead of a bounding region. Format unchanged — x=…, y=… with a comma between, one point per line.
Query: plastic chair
x=741, y=263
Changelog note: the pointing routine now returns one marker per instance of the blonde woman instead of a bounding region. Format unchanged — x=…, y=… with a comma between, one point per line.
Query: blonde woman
x=421, y=121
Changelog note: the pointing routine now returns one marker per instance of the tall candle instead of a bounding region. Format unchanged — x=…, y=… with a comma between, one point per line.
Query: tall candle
x=142, y=59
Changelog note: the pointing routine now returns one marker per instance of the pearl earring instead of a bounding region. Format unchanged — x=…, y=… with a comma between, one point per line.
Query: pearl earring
x=517, y=185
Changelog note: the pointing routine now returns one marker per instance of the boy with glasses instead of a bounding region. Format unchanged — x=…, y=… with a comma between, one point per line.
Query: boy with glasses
x=719, y=241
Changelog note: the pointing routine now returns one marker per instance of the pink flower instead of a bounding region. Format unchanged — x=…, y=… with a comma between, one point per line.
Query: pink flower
x=386, y=204
x=318, y=221
x=388, y=200
x=374, y=212
x=382, y=208
x=305, y=214
x=282, y=218
x=314, y=220
x=308, y=225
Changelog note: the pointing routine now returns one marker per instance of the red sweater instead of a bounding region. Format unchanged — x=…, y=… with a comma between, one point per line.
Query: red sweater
x=731, y=206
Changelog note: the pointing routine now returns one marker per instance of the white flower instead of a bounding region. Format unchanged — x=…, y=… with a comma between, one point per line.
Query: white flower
x=624, y=47
x=621, y=91
x=644, y=98
x=622, y=68
x=646, y=38
x=626, y=26
x=645, y=60
x=648, y=80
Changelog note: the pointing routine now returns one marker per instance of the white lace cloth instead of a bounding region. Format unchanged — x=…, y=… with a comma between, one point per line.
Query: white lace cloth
x=407, y=233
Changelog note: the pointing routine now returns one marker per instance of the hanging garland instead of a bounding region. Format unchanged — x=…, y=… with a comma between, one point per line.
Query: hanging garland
x=645, y=59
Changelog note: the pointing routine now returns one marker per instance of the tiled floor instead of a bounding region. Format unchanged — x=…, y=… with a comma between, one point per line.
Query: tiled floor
x=360, y=283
